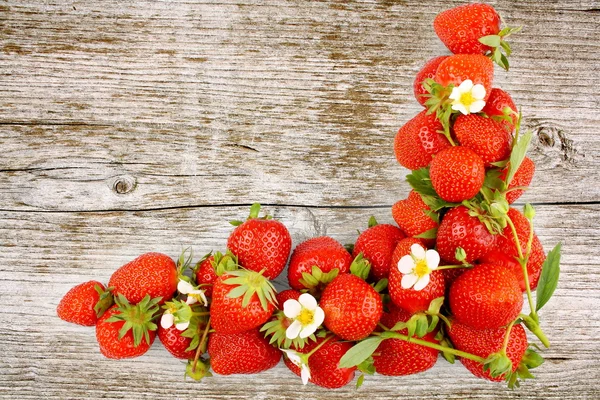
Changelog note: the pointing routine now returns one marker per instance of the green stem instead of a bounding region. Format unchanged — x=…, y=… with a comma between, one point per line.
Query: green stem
x=523, y=262
x=327, y=339
x=454, y=266
x=200, y=349
x=459, y=353
x=507, y=337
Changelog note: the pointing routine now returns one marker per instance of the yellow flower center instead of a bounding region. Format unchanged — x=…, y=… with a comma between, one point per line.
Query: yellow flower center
x=467, y=99
x=421, y=268
x=306, y=317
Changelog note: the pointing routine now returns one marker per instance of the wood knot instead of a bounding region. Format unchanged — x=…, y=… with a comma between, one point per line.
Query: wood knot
x=124, y=184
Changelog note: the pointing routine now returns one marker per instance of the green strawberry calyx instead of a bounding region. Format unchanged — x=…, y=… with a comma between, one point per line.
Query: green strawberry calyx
x=105, y=301
x=360, y=267
x=254, y=212
x=249, y=283
x=139, y=318
x=500, y=48
x=276, y=328
x=317, y=279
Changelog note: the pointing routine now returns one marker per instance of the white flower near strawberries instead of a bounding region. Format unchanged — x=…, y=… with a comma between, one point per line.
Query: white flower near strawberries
x=468, y=98
x=417, y=266
x=298, y=360
x=307, y=316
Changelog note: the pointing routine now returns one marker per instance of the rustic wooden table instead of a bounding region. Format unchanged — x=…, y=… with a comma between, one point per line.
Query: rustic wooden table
x=128, y=127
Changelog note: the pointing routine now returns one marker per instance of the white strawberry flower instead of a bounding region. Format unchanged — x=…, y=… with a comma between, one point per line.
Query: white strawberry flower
x=468, y=98
x=194, y=295
x=307, y=316
x=416, y=267
x=300, y=361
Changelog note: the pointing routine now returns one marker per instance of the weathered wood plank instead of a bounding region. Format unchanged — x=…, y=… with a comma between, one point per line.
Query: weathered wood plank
x=44, y=254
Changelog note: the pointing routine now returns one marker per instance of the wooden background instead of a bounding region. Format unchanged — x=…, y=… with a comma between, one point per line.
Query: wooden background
x=137, y=126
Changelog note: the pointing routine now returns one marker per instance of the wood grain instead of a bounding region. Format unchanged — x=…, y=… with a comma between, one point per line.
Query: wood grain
x=127, y=127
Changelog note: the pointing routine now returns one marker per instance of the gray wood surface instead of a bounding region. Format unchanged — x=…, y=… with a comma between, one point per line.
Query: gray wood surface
x=128, y=127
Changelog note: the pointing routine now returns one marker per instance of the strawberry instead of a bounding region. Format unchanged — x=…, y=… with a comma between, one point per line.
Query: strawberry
x=323, y=363
x=261, y=244
x=495, y=105
x=461, y=229
x=125, y=330
x=175, y=343
x=506, y=252
x=241, y=353
x=352, y=307
x=419, y=140
x=377, y=244
x=211, y=266
x=241, y=300
x=485, y=342
x=414, y=217
x=427, y=72
x=460, y=67
x=397, y=357
x=286, y=295
x=522, y=178
x=152, y=274
x=460, y=28
x=324, y=252
x=457, y=174
x=486, y=137
x=485, y=297
x=412, y=300
x=84, y=304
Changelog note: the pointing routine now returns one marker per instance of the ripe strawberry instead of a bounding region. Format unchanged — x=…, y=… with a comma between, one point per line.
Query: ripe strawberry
x=521, y=178
x=241, y=300
x=377, y=244
x=410, y=299
x=241, y=353
x=286, y=295
x=411, y=215
x=323, y=363
x=261, y=244
x=419, y=140
x=175, y=343
x=427, y=72
x=506, y=252
x=495, y=105
x=485, y=342
x=84, y=304
x=460, y=28
x=486, y=297
x=460, y=67
x=152, y=274
x=352, y=307
x=486, y=137
x=460, y=229
x=457, y=173
x=396, y=357
x=324, y=252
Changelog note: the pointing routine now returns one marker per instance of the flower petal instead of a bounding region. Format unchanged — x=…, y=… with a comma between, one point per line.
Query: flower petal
x=167, y=319
x=191, y=300
x=477, y=106
x=293, y=356
x=455, y=95
x=422, y=282
x=460, y=107
x=305, y=374
x=291, y=308
x=478, y=92
x=417, y=251
x=307, y=330
x=184, y=287
x=308, y=301
x=203, y=297
x=182, y=326
x=433, y=259
x=293, y=330
x=409, y=280
x=406, y=264
x=318, y=317
x=465, y=86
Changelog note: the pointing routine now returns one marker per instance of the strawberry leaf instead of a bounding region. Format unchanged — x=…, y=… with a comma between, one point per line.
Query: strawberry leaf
x=420, y=181
x=516, y=156
x=548, y=278
x=491, y=40
x=372, y=221
x=360, y=352
x=430, y=234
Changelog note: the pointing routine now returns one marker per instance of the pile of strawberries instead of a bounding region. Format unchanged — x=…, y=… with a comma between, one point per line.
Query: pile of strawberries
x=450, y=278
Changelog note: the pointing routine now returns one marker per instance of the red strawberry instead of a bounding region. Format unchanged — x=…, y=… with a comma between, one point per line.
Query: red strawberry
x=460, y=28
x=460, y=229
x=377, y=244
x=485, y=342
x=152, y=274
x=486, y=137
x=175, y=343
x=485, y=297
x=495, y=105
x=323, y=252
x=419, y=140
x=457, y=174
x=427, y=72
x=323, y=363
x=521, y=178
x=261, y=244
x=396, y=357
x=352, y=307
x=410, y=299
x=286, y=295
x=241, y=300
x=136, y=340
x=411, y=216
x=84, y=303
x=241, y=353
x=506, y=252
x=460, y=67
